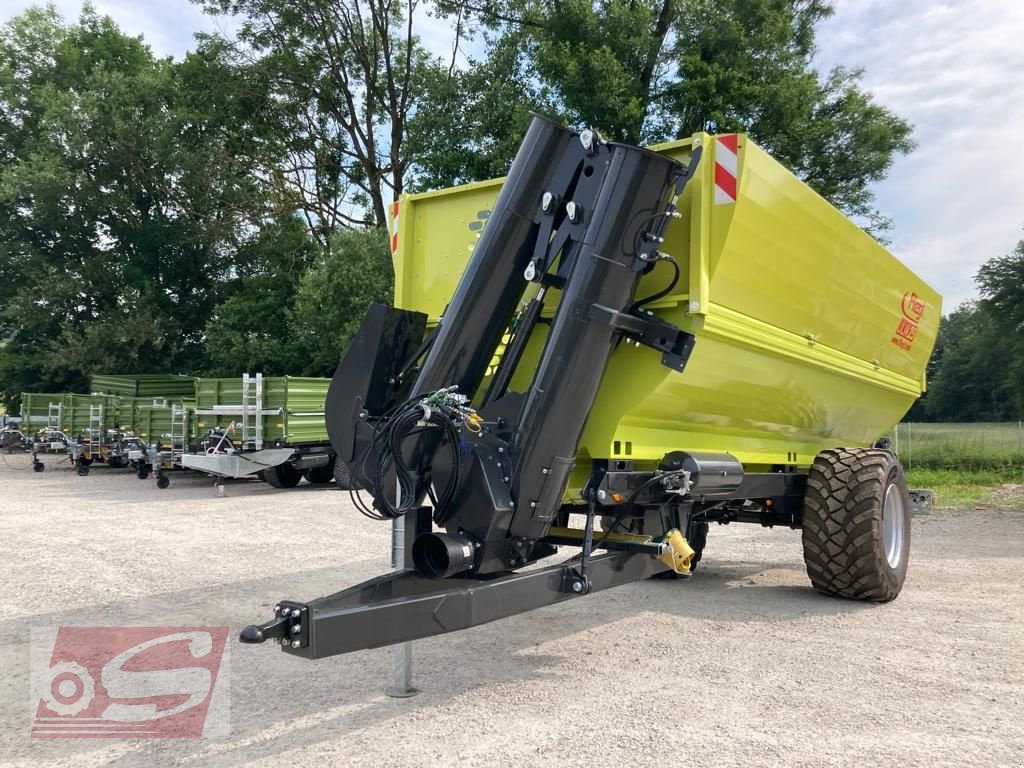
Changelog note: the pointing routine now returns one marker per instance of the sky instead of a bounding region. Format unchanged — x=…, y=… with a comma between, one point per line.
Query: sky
x=954, y=68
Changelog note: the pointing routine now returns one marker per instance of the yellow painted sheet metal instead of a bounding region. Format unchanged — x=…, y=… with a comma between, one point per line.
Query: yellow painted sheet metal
x=809, y=333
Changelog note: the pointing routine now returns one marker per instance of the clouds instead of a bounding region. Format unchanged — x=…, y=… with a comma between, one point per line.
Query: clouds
x=167, y=25
x=956, y=70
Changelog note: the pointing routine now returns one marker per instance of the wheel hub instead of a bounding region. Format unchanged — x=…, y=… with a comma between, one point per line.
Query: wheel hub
x=894, y=519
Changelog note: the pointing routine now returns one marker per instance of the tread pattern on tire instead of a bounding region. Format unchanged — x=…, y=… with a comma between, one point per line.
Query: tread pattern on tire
x=319, y=475
x=343, y=475
x=697, y=540
x=282, y=476
x=842, y=524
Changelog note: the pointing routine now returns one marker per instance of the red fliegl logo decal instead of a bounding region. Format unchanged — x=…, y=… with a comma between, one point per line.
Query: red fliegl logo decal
x=912, y=309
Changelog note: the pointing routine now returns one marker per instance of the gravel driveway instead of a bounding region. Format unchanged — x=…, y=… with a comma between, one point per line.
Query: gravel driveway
x=743, y=665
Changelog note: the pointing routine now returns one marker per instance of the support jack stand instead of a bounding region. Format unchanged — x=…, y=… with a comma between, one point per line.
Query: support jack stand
x=403, y=533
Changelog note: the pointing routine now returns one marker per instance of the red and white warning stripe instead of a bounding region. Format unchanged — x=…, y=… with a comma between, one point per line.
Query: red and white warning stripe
x=726, y=168
x=394, y=228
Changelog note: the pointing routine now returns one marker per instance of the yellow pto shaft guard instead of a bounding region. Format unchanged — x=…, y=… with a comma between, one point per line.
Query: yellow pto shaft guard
x=680, y=554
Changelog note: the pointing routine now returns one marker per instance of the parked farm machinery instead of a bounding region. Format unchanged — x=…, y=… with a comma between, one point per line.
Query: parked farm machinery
x=603, y=379
x=270, y=427
x=247, y=426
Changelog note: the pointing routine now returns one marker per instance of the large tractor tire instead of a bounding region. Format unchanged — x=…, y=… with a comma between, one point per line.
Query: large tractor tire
x=856, y=524
x=697, y=539
x=343, y=475
x=319, y=475
x=282, y=476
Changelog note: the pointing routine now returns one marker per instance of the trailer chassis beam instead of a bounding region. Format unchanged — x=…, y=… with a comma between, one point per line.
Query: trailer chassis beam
x=404, y=606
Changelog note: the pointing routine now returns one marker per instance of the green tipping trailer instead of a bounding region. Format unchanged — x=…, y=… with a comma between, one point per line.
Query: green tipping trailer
x=42, y=415
x=154, y=422
x=87, y=427
x=100, y=429
x=166, y=430
x=272, y=427
x=291, y=409
x=91, y=416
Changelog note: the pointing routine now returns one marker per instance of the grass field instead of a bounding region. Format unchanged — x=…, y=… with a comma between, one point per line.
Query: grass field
x=962, y=463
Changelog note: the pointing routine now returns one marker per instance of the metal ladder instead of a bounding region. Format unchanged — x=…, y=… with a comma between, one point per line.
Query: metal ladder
x=252, y=411
x=95, y=430
x=53, y=415
x=179, y=431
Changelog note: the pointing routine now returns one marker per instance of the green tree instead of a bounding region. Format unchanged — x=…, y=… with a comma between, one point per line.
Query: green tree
x=971, y=381
x=127, y=200
x=646, y=71
x=345, y=75
x=1001, y=284
x=250, y=329
x=469, y=123
x=976, y=372
x=333, y=296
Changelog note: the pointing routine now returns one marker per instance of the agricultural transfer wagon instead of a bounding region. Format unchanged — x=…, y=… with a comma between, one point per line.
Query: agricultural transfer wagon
x=645, y=341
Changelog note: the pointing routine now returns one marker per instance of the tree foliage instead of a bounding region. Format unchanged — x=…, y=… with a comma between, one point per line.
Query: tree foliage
x=977, y=368
x=647, y=71
x=334, y=294
x=128, y=201
x=345, y=75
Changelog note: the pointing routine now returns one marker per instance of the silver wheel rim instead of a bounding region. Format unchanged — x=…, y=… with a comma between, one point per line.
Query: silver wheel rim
x=894, y=518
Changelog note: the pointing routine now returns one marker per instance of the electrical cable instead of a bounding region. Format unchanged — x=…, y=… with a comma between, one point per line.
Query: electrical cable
x=444, y=410
x=633, y=497
x=664, y=291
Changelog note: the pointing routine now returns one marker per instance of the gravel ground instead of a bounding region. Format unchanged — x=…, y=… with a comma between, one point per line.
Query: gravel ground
x=744, y=665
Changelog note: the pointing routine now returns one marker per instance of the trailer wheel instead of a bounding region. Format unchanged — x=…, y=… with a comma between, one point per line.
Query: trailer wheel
x=282, y=476
x=697, y=539
x=38, y=466
x=143, y=471
x=856, y=524
x=83, y=470
x=162, y=482
x=343, y=475
x=319, y=475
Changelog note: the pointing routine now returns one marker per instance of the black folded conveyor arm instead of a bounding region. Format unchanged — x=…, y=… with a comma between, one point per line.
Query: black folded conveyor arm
x=577, y=214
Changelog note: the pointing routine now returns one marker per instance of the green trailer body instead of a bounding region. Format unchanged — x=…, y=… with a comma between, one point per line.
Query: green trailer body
x=153, y=420
x=36, y=411
x=291, y=412
x=85, y=416
x=144, y=386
